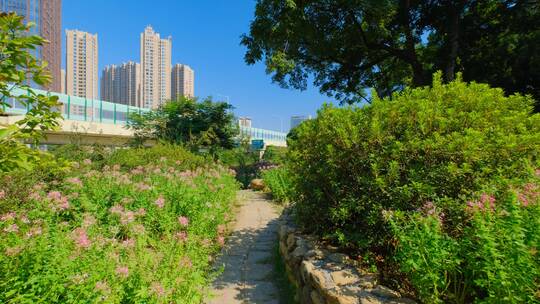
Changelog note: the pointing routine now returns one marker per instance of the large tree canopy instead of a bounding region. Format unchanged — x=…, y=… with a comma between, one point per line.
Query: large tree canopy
x=350, y=45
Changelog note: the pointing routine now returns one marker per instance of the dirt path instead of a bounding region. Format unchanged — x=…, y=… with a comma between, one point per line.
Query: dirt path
x=248, y=255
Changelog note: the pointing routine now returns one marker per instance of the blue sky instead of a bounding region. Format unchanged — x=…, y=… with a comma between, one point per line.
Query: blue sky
x=206, y=36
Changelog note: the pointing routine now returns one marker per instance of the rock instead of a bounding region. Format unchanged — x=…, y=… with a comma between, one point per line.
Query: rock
x=401, y=301
x=257, y=184
x=321, y=279
x=368, y=281
x=298, y=253
x=369, y=299
x=315, y=254
x=385, y=292
x=305, y=269
x=283, y=231
x=338, y=258
x=316, y=298
x=344, y=277
x=337, y=296
x=306, y=295
x=291, y=241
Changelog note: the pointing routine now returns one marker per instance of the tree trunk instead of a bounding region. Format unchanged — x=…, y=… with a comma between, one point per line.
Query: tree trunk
x=453, y=39
x=419, y=78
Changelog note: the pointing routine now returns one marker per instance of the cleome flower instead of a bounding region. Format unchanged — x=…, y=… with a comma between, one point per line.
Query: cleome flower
x=12, y=228
x=81, y=238
x=185, y=262
x=8, y=216
x=75, y=181
x=184, y=221
x=181, y=236
x=157, y=289
x=122, y=271
x=160, y=202
x=485, y=203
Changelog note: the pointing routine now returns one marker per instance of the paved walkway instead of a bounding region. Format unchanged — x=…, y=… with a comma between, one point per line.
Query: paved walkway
x=247, y=256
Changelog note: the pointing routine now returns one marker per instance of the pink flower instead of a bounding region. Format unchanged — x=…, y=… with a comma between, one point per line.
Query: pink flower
x=116, y=209
x=54, y=195
x=127, y=217
x=157, y=289
x=102, y=287
x=12, y=228
x=8, y=216
x=142, y=187
x=75, y=181
x=33, y=231
x=185, y=262
x=128, y=243
x=184, y=221
x=24, y=219
x=81, y=238
x=88, y=220
x=181, y=236
x=63, y=204
x=122, y=271
x=87, y=161
x=2, y=194
x=141, y=212
x=523, y=199
x=221, y=241
x=160, y=202
x=116, y=167
x=488, y=200
x=35, y=196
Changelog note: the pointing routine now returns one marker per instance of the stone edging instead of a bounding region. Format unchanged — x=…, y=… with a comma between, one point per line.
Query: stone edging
x=324, y=276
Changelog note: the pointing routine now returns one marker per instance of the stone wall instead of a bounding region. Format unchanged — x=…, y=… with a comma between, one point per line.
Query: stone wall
x=322, y=275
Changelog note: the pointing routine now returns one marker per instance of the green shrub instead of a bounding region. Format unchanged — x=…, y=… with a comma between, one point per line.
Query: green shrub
x=243, y=161
x=278, y=182
x=275, y=155
x=494, y=260
x=140, y=228
x=443, y=146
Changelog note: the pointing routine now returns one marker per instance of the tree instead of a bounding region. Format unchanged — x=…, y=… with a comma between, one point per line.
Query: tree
x=204, y=124
x=348, y=46
x=18, y=67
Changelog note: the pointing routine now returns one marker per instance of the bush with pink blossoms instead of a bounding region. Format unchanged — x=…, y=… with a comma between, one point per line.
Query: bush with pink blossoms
x=494, y=259
x=92, y=234
x=436, y=155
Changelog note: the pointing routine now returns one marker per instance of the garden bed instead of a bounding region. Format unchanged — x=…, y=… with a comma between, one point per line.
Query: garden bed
x=136, y=226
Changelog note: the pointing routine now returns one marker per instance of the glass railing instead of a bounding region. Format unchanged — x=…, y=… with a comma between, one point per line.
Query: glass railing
x=267, y=135
x=79, y=108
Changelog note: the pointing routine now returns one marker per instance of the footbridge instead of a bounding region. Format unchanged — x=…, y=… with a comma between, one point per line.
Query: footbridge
x=90, y=121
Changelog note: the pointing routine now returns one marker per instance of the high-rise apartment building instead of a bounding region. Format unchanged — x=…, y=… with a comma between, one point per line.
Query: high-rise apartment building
x=82, y=64
x=63, y=81
x=296, y=120
x=109, y=88
x=47, y=17
x=155, y=68
x=183, y=81
x=122, y=84
x=244, y=122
